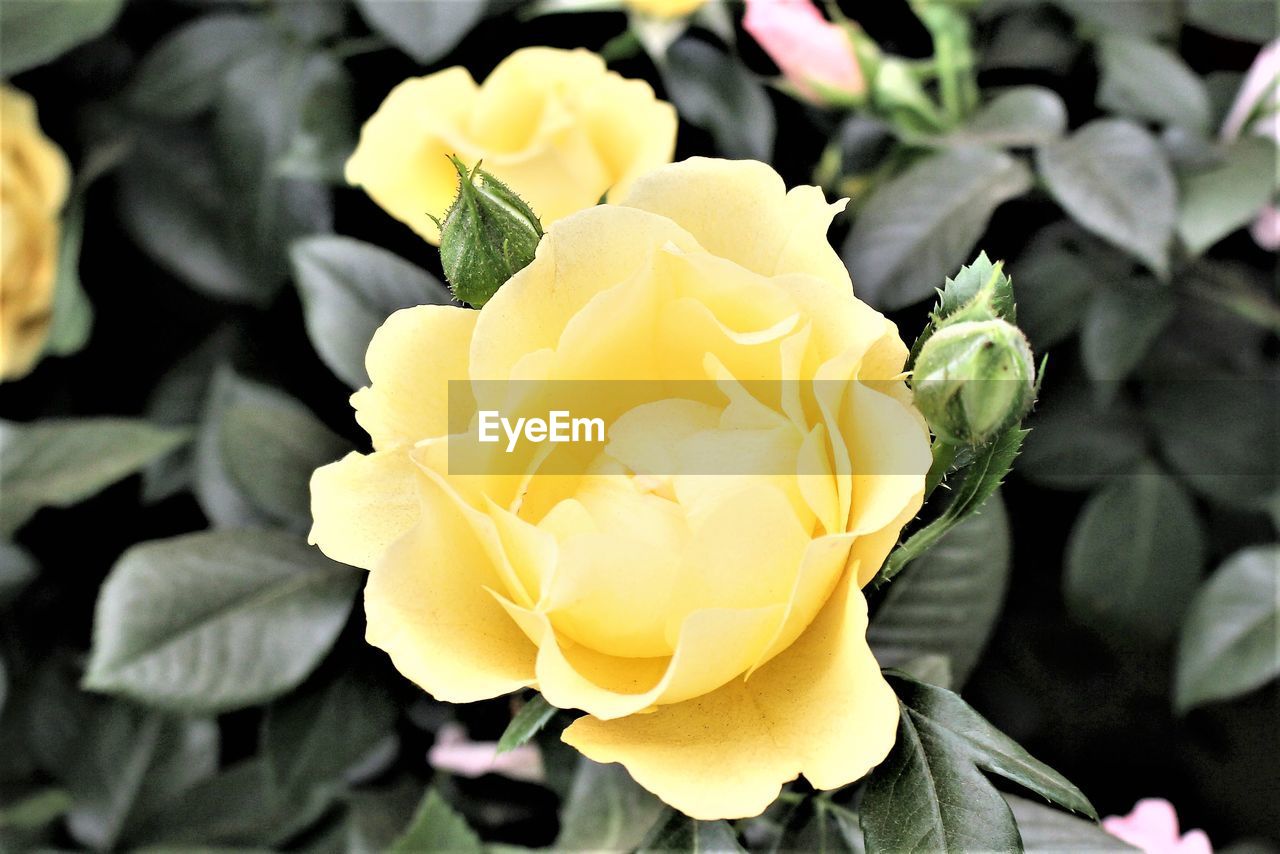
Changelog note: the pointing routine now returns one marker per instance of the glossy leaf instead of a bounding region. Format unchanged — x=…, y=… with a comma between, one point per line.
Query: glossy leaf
x=716, y=93
x=1248, y=20
x=531, y=718
x=217, y=620
x=1021, y=117
x=129, y=763
x=1147, y=81
x=1046, y=830
x=1113, y=178
x=182, y=75
x=437, y=828
x=681, y=833
x=314, y=740
x=921, y=226
x=1075, y=443
x=60, y=462
x=72, y=312
x=947, y=602
x=606, y=810
x=424, y=30
x=33, y=32
x=1228, y=642
x=270, y=450
x=1227, y=197
x=1120, y=325
x=1134, y=558
x=348, y=289
x=931, y=793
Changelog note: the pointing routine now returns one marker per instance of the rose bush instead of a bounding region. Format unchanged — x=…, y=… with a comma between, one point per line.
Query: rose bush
x=713, y=628
x=34, y=181
x=555, y=125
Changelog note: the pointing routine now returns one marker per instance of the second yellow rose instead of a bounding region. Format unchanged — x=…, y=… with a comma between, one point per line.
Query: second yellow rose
x=556, y=125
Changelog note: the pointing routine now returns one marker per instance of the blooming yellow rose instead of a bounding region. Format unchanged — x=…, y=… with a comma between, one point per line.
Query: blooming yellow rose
x=554, y=125
x=666, y=8
x=34, y=181
x=712, y=627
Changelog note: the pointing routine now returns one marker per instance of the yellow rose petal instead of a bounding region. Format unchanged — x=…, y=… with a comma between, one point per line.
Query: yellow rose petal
x=741, y=210
x=410, y=361
x=361, y=504
x=427, y=606
x=821, y=708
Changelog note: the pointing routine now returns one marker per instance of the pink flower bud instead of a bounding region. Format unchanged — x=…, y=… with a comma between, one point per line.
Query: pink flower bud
x=814, y=54
x=1153, y=828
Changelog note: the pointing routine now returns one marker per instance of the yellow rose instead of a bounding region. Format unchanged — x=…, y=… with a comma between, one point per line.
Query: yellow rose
x=34, y=181
x=712, y=627
x=666, y=8
x=554, y=125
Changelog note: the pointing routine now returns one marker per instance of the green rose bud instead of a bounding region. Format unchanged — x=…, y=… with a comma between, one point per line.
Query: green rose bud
x=974, y=379
x=487, y=236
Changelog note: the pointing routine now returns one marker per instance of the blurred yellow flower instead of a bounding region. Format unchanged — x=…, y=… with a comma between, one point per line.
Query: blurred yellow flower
x=555, y=125
x=34, y=182
x=666, y=8
x=712, y=627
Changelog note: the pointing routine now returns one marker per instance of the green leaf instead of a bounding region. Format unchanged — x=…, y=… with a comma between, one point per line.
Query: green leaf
x=219, y=495
x=216, y=620
x=820, y=826
x=1218, y=431
x=325, y=134
x=920, y=227
x=376, y=816
x=270, y=450
x=1045, y=830
x=130, y=763
x=1120, y=325
x=1052, y=281
x=1076, y=444
x=1113, y=178
x=33, y=32
x=681, y=833
x=35, y=810
x=437, y=828
x=1021, y=117
x=72, y=312
x=58, y=463
x=424, y=30
x=179, y=398
x=348, y=289
x=314, y=741
x=715, y=92
x=606, y=810
x=1220, y=200
x=978, y=479
x=239, y=806
x=931, y=794
x=949, y=601
x=256, y=124
x=1133, y=559
x=1247, y=20
x=1130, y=17
x=182, y=75
x=531, y=718
x=1147, y=81
x=1228, y=642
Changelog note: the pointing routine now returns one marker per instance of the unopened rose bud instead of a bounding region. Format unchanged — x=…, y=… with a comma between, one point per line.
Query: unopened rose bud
x=974, y=379
x=816, y=56
x=487, y=236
